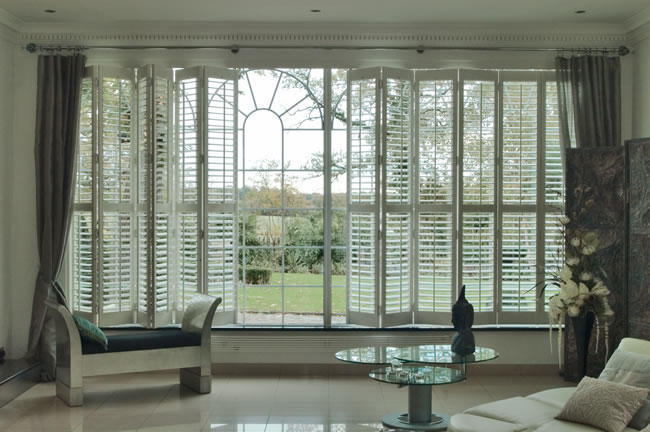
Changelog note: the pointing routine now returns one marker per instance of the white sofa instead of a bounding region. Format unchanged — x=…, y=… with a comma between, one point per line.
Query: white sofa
x=187, y=349
x=535, y=412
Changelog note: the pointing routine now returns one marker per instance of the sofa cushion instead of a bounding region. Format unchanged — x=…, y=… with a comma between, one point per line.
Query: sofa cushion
x=565, y=426
x=607, y=405
x=471, y=423
x=90, y=334
x=145, y=340
x=518, y=410
x=556, y=397
x=632, y=369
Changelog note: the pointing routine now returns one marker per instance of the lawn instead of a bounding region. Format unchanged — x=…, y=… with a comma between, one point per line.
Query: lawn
x=297, y=299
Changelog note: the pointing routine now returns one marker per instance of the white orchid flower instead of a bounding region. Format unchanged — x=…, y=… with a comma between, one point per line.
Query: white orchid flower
x=566, y=274
x=564, y=220
x=585, y=276
x=571, y=289
x=588, y=250
x=573, y=261
x=575, y=241
x=573, y=311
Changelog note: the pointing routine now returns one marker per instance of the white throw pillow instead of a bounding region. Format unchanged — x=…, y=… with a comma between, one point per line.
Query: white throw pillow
x=607, y=405
x=632, y=369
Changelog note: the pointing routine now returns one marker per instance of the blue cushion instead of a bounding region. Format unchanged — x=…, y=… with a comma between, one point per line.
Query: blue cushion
x=145, y=340
x=91, y=334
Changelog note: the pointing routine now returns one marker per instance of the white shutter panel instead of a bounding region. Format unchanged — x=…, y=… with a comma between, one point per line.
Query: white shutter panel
x=187, y=185
x=435, y=197
x=364, y=119
x=220, y=178
x=478, y=150
x=554, y=186
x=153, y=205
x=116, y=174
x=519, y=125
x=82, y=241
x=397, y=225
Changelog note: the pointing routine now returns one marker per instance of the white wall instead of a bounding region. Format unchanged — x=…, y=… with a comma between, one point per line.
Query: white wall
x=22, y=248
x=641, y=117
x=6, y=143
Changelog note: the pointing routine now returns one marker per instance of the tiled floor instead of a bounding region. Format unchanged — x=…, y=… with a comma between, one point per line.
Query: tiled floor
x=155, y=402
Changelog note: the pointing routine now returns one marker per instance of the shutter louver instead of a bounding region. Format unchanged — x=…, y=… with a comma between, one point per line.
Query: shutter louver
x=154, y=131
x=478, y=260
x=478, y=235
x=435, y=195
x=363, y=200
x=518, y=262
x=554, y=190
x=82, y=262
x=117, y=275
x=188, y=258
x=519, y=181
x=82, y=241
x=221, y=173
x=397, y=127
x=519, y=143
x=397, y=269
x=478, y=143
x=435, y=263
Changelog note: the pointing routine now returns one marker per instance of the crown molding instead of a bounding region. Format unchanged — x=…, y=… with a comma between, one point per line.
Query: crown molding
x=10, y=27
x=333, y=34
x=639, y=34
x=638, y=20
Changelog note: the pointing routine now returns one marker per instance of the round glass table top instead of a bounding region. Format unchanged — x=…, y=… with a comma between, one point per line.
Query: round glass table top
x=442, y=354
x=417, y=375
x=369, y=355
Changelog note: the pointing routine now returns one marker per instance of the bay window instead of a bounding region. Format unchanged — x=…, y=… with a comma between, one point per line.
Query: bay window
x=315, y=196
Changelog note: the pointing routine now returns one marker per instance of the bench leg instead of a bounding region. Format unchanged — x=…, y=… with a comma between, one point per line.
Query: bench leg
x=71, y=396
x=192, y=378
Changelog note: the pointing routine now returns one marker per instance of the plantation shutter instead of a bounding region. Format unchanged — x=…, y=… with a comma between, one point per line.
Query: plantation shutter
x=553, y=179
x=82, y=245
x=435, y=197
x=478, y=190
x=154, y=89
x=397, y=221
x=220, y=195
x=364, y=138
x=188, y=259
x=519, y=138
x=116, y=174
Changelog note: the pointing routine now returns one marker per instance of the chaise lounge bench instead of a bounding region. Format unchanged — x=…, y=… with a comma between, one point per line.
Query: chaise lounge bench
x=187, y=348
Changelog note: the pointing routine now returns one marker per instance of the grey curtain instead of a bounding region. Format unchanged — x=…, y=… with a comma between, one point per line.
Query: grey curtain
x=589, y=95
x=55, y=150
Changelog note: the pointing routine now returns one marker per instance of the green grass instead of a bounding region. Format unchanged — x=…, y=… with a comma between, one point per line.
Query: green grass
x=297, y=299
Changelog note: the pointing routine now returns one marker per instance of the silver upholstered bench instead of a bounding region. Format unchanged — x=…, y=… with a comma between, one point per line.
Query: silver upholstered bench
x=187, y=348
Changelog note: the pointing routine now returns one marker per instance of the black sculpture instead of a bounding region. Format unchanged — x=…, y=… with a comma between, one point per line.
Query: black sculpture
x=462, y=317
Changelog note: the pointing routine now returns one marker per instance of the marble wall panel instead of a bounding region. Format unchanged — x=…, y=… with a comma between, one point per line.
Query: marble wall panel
x=595, y=200
x=639, y=238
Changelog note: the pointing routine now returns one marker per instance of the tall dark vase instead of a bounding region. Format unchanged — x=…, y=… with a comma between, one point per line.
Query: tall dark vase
x=582, y=326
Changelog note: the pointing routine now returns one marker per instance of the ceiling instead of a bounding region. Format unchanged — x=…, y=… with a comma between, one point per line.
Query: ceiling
x=466, y=12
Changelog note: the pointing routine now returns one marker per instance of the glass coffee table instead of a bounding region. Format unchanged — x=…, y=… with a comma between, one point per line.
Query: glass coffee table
x=409, y=371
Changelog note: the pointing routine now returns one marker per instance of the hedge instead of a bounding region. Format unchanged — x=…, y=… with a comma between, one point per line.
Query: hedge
x=256, y=275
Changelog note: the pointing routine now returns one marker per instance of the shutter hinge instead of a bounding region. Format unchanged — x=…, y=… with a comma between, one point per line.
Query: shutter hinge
x=380, y=234
x=202, y=234
x=96, y=158
x=202, y=159
x=380, y=159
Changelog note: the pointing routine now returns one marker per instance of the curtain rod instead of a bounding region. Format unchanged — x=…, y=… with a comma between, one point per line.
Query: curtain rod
x=32, y=48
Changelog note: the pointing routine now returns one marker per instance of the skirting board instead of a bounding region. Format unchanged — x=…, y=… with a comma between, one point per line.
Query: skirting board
x=363, y=370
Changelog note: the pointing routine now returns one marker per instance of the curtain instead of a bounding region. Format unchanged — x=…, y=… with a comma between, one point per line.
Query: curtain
x=589, y=96
x=55, y=150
